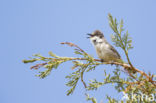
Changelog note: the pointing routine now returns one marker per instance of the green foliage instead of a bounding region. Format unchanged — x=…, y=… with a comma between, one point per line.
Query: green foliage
x=88, y=98
x=73, y=79
x=49, y=64
x=120, y=39
x=81, y=69
x=132, y=84
x=112, y=100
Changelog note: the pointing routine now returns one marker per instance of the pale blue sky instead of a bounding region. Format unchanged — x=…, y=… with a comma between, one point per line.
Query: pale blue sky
x=38, y=26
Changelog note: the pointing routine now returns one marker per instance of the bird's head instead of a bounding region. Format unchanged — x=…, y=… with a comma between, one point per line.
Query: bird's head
x=96, y=37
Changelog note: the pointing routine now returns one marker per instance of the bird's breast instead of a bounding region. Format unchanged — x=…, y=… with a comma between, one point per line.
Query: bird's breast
x=102, y=50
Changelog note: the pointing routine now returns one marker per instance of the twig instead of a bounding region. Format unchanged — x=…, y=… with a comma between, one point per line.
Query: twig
x=83, y=80
x=126, y=66
x=73, y=45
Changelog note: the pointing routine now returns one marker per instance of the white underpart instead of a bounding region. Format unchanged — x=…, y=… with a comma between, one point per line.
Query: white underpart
x=103, y=49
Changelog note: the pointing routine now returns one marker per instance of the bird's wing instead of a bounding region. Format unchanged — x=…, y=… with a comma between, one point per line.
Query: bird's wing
x=115, y=51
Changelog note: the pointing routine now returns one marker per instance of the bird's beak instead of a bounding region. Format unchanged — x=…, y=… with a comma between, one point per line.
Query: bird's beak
x=90, y=35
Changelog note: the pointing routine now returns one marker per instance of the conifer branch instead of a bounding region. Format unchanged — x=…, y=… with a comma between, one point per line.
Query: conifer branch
x=138, y=82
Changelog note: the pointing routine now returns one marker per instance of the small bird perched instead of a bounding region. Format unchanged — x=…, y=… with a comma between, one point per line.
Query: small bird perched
x=104, y=50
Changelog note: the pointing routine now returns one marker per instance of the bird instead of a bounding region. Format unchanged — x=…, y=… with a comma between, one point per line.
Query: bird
x=105, y=51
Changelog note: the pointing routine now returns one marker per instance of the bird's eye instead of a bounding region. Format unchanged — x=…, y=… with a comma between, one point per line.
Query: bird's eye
x=94, y=41
x=100, y=36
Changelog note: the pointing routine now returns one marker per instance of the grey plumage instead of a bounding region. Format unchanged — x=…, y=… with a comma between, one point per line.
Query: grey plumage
x=105, y=51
